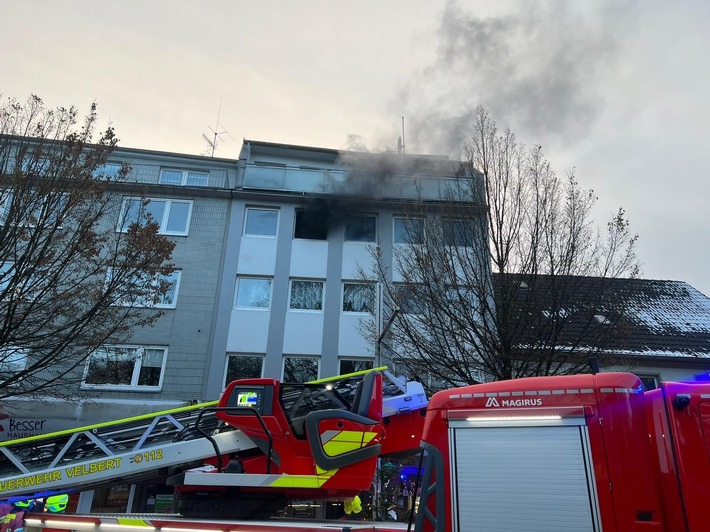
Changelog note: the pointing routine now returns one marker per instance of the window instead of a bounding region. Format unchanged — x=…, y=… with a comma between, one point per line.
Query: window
x=172, y=216
x=462, y=297
x=261, y=222
x=561, y=313
x=353, y=366
x=358, y=297
x=269, y=163
x=243, y=367
x=300, y=369
x=18, y=283
x=183, y=177
x=408, y=231
x=408, y=300
x=7, y=272
x=360, y=228
x=311, y=225
x=125, y=368
x=169, y=298
x=650, y=382
x=165, y=300
x=306, y=295
x=33, y=209
x=36, y=165
x=458, y=233
x=419, y=371
x=253, y=292
x=107, y=171
x=13, y=359
x=601, y=319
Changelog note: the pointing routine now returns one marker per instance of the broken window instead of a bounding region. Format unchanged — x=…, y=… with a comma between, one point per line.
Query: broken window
x=311, y=225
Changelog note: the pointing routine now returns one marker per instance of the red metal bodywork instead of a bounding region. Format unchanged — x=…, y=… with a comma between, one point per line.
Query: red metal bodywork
x=318, y=440
x=292, y=446
x=650, y=459
x=334, y=430
x=680, y=436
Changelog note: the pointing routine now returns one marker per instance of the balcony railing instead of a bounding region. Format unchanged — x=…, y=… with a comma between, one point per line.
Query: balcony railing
x=355, y=184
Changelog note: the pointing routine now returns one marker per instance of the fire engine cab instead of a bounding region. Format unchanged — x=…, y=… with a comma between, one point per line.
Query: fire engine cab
x=583, y=452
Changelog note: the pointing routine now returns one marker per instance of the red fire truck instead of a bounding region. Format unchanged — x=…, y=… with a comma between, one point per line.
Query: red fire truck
x=583, y=452
x=576, y=453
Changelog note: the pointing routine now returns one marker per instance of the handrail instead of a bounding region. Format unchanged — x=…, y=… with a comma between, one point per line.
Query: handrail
x=95, y=426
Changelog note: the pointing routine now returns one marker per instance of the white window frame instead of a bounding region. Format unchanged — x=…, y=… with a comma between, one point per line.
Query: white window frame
x=176, y=274
x=308, y=357
x=403, y=220
x=258, y=235
x=234, y=356
x=162, y=223
x=241, y=278
x=185, y=177
x=374, y=298
x=133, y=385
x=374, y=236
x=314, y=281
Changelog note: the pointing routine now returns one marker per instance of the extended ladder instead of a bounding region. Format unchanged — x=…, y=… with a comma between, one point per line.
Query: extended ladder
x=126, y=449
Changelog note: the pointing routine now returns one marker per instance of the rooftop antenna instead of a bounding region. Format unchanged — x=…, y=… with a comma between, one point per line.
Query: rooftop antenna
x=400, y=140
x=212, y=142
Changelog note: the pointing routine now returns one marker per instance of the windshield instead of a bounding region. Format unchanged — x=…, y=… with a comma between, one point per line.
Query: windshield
x=299, y=399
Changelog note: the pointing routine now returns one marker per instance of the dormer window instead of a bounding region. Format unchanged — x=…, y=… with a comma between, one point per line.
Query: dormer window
x=601, y=319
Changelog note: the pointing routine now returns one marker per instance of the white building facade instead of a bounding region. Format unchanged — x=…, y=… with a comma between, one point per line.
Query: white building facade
x=302, y=227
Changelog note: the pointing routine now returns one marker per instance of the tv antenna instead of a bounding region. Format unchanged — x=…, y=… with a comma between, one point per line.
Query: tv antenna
x=212, y=142
x=400, y=140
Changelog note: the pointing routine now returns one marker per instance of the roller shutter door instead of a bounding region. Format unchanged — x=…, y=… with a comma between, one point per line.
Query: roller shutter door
x=533, y=479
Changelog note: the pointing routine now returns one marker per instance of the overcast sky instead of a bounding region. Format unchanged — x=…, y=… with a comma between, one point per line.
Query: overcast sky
x=616, y=90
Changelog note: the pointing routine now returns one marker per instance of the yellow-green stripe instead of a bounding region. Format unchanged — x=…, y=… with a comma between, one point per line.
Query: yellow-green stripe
x=347, y=376
x=106, y=424
x=162, y=413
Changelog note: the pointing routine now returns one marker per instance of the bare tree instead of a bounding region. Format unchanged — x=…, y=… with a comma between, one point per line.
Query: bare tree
x=507, y=277
x=73, y=275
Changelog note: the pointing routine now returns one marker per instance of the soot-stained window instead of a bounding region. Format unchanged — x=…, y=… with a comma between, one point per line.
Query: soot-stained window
x=312, y=225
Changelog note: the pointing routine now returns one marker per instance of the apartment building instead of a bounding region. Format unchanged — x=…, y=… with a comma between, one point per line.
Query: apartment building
x=163, y=366
x=269, y=254
x=303, y=222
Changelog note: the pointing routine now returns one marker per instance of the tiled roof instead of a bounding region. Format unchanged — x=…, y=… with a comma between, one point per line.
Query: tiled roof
x=642, y=317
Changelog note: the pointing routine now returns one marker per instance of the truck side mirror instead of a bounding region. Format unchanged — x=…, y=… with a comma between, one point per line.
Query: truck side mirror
x=681, y=401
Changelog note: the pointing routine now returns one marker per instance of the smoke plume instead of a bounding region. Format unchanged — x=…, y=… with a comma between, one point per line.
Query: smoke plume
x=539, y=71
